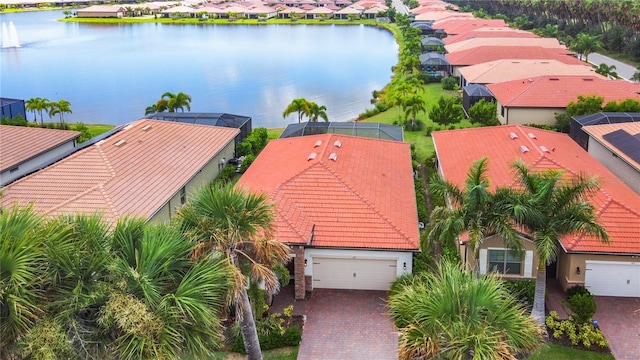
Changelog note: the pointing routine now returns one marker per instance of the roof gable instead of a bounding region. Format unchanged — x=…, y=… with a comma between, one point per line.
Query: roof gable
x=346, y=202
x=20, y=143
x=617, y=206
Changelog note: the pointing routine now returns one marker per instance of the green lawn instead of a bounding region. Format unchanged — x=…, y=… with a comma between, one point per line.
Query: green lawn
x=423, y=143
x=559, y=352
x=97, y=129
x=286, y=353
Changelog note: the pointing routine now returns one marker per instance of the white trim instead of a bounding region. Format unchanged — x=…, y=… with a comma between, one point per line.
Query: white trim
x=483, y=261
x=528, y=264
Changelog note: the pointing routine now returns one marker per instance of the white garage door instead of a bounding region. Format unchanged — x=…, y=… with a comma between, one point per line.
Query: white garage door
x=357, y=274
x=610, y=278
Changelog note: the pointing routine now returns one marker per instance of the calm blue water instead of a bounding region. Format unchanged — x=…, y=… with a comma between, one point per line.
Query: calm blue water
x=111, y=73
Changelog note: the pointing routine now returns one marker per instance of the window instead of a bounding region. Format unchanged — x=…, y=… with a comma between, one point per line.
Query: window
x=504, y=262
x=183, y=196
x=502, y=110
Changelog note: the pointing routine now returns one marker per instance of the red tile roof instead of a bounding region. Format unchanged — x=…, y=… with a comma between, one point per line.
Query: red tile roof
x=503, y=41
x=133, y=172
x=556, y=91
x=463, y=25
x=617, y=206
x=484, y=54
x=488, y=32
x=364, y=199
x=20, y=143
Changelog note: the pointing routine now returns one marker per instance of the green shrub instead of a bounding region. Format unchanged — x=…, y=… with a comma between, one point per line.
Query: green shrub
x=292, y=336
x=577, y=289
x=583, y=306
x=584, y=334
x=399, y=283
x=423, y=213
x=226, y=175
x=248, y=160
x=450, y=83
x=523, y=290
x=410, y=125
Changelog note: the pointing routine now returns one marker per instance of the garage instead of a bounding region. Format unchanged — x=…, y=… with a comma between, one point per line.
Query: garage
x=349, y=273
x=613, y=278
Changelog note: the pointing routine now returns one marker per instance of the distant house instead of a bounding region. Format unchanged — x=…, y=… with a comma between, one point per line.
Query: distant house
x=455, y=26
x=148, y=169
x=26, y=149
x=345, y=204
x=319, y=13
x=483, y=54
x=601, y=118
x=502, y=41
x=617, y=147
x=611, y=269
x=488, y=32
x=537, y=100
x=101, y=11
x=436, y=15
x=513, y=69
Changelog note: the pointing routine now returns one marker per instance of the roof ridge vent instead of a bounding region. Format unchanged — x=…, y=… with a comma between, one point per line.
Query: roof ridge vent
x=317, y=144
x=333, y=156
x=524, y=149
x=312, y=156
x=146, y=127
x=513, y=135
x=337, y=143
x=120, y=143
x=532, y=135
x=544, y=149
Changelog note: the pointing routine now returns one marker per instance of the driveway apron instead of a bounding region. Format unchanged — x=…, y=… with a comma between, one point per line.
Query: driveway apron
x=619, y=320
x=344, y=324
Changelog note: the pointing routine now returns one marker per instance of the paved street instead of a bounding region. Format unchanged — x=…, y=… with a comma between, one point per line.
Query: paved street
x=624, y=70
x=400, y=7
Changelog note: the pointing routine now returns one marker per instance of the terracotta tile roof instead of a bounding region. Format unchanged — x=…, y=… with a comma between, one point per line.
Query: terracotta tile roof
x=512, y=69
x=598, y=131
x=133, y=172
x=364, y=199
x=502, y=41
x=436, y=15
x=556, y=91
x=463, y=25
x=20, y=143
x=488, y=32
x=618, y=206
x=482, y=54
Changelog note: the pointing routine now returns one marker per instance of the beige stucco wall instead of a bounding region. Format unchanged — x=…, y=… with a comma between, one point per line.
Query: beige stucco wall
x=497, y=242
x=521, y=116
x=568, y=264
x=623, y=170
x=100, y=14
x=203, y=177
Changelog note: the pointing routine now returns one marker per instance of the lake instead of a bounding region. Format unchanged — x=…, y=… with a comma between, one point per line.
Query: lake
x=111, y=73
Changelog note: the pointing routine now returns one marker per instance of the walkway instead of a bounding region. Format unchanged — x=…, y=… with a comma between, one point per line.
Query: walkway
x=618, y=318
x=624, y=70
x=343, y=324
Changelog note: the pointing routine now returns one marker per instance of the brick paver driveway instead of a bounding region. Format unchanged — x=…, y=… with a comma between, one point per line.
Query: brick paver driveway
x=619, y=320
x=343, y=325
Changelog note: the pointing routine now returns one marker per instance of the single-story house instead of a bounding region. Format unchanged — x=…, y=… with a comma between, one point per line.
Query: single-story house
x=26, y=149
x=344, y=13
x=483, y=54
x=102, y=11
x=436, y=15
x=319, y=13
x=513, y=69
x=611, y=269
x=290, y=12
x=536, y=100
x=502, y=41
x=147, y=169
x=455, y=26
x=345, y=204
x=617, y=147
x=487, y=32
x=601, y=118
x=182, y=10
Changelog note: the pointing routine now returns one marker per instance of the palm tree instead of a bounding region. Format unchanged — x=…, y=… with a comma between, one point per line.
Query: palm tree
x=61, y=107
x=548, y=208
x=31, y=105
x=607, y=70
x=238, y=225
x=23, y=271
x=474, y=209
x=166, y=302
x=452, y=314
x=413, y=105
x=177, y=101
x=586, y=44
x=299, y=105
x=316, y=111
